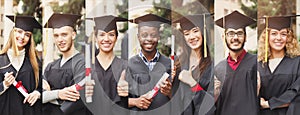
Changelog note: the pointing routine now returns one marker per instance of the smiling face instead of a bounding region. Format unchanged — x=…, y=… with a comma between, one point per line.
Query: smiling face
x=193, y=38
x=22, y=37
x=278, y=39
x=148, y=38
x=64, y=37
x=106, y=40
x=235, y=39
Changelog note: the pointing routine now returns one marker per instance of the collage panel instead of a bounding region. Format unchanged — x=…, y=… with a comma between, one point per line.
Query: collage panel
x=278, y=62
x=64, y=63
x=20, y=58
x=236, y=60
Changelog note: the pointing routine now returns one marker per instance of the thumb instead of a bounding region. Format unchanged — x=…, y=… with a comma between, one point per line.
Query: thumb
x=123, y=74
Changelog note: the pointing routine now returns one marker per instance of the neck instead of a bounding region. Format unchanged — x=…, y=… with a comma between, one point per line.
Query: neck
x=196, y=53
x=149, y=55
x=106, y=55
x=277, y=54
x=69, y=53
x=234, y=55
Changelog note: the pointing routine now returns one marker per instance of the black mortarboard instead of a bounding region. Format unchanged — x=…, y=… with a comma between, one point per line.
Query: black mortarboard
x=107, y=23
x=279, y=22
x=27, y=23
x=190, y=21
x=58, y=20
x=235, y=20
x=150, y=20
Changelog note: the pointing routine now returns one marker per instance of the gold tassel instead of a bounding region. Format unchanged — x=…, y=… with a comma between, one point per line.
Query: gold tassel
x=267, y=41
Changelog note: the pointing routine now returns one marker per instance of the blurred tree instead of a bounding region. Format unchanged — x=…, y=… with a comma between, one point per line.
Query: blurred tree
x=32, y=8
x=272, y=8
x=250, y=11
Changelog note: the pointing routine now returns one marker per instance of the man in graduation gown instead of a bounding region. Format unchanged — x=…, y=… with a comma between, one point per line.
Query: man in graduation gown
x=237, y=73
x=146, y=68
x=60, y=96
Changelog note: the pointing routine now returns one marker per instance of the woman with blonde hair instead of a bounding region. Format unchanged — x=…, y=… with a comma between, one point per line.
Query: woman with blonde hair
x=278, y=67
x=19, y=63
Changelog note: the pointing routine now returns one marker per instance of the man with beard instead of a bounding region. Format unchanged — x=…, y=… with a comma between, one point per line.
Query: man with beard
x=60, y=96
x=147, y=68
x=237, y=75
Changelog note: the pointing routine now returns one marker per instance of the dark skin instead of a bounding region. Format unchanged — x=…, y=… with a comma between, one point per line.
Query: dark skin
x=148, y=38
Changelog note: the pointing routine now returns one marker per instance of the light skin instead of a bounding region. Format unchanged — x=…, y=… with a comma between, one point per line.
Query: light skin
x=277, y=43
x=106, y=42
x=148, y=38
x=235, y=43
x=193, y=39
x=22, y=38
x=64, y=40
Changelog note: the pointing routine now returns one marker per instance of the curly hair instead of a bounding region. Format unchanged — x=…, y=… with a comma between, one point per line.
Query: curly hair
x=291, y=47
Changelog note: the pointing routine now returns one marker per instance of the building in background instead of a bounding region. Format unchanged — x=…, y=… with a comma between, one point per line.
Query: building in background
x=222, y=8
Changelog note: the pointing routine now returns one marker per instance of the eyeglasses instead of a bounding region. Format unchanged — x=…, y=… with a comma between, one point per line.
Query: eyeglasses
x=232, y=34
x=282, y=34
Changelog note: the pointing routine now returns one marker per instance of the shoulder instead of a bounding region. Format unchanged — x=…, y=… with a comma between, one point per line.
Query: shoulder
x=4, y=61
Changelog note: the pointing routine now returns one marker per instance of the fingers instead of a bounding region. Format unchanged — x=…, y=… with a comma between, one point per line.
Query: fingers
x=32, y=98
x=8, y=79
x=68, y=93
x=144, y=103
x=166, y=87
x=89, y=88
x=122, y=86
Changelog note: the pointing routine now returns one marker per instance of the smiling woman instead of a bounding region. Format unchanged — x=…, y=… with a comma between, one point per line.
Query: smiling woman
x=18, y=59
x=278, y=67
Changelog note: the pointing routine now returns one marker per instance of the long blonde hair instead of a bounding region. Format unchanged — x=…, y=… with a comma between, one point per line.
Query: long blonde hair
x=291, y=47
x=29, y=49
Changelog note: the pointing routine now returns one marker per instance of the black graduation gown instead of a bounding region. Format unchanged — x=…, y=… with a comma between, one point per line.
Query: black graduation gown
x=141, y=80
x=105, y=99
x=238, y=95
x=281, y=86
x=60, y=77
x=11, y=101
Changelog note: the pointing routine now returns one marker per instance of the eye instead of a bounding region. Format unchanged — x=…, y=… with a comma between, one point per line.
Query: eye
x=153, y=35
x=144, y=35
x=28, y=34
x=273, y=33
x=112, y=34
x=64, y=34
x=55, y=35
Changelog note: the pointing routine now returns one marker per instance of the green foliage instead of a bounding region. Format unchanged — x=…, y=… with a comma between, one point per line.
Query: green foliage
x=250, y=11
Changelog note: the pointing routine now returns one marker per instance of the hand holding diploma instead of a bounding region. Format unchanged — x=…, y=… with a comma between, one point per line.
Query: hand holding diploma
x=69, y=93
x=10, y=79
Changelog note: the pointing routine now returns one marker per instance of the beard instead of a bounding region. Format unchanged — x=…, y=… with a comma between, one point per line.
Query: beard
x=238, y=49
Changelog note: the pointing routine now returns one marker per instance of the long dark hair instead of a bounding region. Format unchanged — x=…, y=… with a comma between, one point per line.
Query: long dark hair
x=185, y=56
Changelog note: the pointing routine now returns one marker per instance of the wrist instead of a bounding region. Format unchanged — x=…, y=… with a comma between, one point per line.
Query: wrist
x=193, y=83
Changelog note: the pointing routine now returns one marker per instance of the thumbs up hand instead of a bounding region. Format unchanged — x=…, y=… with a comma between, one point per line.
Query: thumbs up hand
x=185, y=76
x=122, y=86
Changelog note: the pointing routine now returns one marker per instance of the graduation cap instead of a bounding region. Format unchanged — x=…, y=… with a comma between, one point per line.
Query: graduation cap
x=278, y=23
x=26, y=23
x=150, y=20
x=198, y=20
x=234, y=20
x=58, y=20
x=107, y=23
